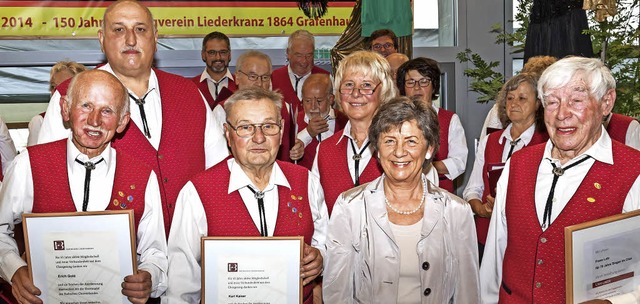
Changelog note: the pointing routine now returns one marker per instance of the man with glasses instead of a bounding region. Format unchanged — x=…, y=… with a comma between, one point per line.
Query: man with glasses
x=249, y=194
x=253, y=69
x=216, y=82
x=384, y=42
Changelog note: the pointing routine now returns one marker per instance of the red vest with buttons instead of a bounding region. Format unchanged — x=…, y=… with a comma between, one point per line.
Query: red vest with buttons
x=335, y=177
x=222, y=95
x=444, y=119
x=310, y=150
x=227, y=214
x=281, y=82
x=493, y=155
x=618, y=126
x=181, y=151
x=533, y=266
x=51, y=181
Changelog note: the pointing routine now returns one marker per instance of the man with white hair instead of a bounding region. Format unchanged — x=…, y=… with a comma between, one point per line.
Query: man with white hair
x=581, y=175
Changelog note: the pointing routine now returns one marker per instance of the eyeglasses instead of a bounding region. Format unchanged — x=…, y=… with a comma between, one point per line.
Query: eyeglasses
x=365, y=89
x=248, y=130
x=379, y=46
x=254, y=77
x=422, y=82
x=222, y=53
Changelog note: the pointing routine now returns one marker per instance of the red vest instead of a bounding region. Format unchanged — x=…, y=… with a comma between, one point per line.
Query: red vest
x=618, y=126
x=492, y=155
x=280, y=82
x=310, y=150
x=1, y=175
x=227, y=214
x=335, y=177
x=222, y=95
x=444, y=119
x=533, y=266
x=51, y=181
x=181, y=151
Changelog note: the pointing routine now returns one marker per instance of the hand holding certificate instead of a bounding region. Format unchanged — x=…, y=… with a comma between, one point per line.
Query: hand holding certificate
x=80, y=257
x=251, y=269
x=602, y=258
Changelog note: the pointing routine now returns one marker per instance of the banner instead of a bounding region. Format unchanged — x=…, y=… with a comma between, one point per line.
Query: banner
x=82, y=19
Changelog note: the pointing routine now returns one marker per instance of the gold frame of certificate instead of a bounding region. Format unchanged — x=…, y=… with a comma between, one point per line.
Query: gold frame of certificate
x=80, y=256
x=602, y=257
x=251, y=269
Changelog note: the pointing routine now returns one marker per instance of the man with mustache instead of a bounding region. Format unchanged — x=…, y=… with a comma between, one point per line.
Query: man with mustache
x=84, y=173
x=158, y=135
x=216, y=83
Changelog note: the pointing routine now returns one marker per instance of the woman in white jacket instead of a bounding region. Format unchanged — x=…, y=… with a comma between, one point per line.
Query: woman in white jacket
x=399, y=238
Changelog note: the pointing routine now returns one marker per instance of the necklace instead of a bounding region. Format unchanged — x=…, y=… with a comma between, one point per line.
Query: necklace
x=396, y=210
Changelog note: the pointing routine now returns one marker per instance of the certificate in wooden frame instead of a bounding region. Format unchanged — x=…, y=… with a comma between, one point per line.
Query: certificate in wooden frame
x=246, y=268
x=70, y=255
x=601, y=257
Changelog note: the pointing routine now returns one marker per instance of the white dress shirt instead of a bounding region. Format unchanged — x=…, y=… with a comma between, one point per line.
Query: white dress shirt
x=491, y=268
x=223, y=83
x=16, y=198
x=34, y=129
x=7, y=148
x=190, y=224
x=53, y=129
x=304, y=134
x=491, y=121
x=475, y=186
x=456, y=161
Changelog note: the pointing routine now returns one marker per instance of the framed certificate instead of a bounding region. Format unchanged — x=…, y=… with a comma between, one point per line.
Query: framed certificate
x=251, y=269
x=80, y=257
x=602, y=257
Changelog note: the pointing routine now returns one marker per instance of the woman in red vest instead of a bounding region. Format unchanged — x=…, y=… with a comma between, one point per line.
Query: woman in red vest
x=400, y=238
x=520, y=111
x=420, y=78
x=345, y=160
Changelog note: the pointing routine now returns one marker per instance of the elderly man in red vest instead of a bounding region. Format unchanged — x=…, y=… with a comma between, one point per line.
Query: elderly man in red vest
x=84, y=173
x=216, y=81
x=249, y=194
x=580, y=175
x=319, y=120
x=158, y=134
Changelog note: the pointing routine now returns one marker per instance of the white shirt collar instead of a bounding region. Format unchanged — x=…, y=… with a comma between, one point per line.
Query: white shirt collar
x=525, y=137
x=206, y=75
x=153, y=80
x=291, y=73
x=601, y=150
x=73, y=153
x=238, y=178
